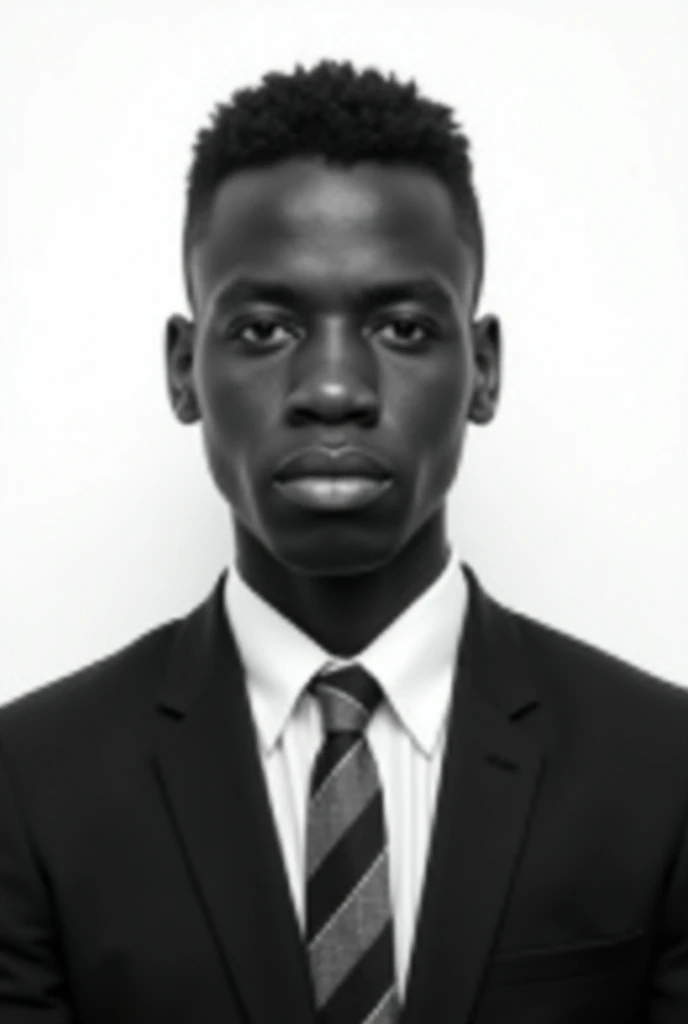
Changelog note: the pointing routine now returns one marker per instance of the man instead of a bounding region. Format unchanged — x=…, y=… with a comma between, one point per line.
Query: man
x=350, y=786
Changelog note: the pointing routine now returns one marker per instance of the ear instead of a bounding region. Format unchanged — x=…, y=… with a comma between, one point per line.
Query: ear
x=179, y=353
x=487, y=354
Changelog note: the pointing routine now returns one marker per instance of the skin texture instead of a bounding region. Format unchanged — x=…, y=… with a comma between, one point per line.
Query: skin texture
x=329, y=366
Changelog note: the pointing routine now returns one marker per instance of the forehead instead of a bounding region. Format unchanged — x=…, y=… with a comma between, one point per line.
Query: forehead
x=316, y=225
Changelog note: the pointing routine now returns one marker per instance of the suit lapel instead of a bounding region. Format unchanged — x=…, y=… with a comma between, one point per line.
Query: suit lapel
x=213, y=785
x=489, y=783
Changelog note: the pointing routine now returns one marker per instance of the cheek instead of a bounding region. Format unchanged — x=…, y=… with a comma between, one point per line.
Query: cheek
x=227, y=415
x=432, y=416
x=240, y=411
x=431, y=406
x=235, y=402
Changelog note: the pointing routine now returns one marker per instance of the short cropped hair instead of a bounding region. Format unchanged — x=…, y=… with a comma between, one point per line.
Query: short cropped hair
x=340, y=114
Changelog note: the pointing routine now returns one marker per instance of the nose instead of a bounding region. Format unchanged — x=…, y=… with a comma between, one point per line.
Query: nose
x=335, y=381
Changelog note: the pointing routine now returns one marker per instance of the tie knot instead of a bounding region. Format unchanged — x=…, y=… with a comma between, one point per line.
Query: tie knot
x=348, y=696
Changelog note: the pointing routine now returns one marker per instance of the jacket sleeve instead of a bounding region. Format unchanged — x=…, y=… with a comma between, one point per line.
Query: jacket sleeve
x=32, y=983
x=669, y=984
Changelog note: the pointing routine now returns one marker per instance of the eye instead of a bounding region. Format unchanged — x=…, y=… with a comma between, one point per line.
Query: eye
x=411, y=330
x=258, y=331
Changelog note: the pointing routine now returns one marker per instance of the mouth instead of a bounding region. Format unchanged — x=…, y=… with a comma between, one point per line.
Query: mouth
x=321, y=462
x=333, y=493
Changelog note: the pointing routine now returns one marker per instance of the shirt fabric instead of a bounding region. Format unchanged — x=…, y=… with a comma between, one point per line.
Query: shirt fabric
x=413, y=660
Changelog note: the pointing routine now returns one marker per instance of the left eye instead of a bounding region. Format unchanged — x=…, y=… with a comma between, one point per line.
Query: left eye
x=407, y=328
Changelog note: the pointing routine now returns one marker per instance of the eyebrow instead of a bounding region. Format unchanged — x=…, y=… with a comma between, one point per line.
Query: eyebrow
x=424, y=288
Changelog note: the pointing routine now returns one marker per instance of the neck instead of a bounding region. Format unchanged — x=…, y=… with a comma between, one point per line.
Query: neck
x=345, y=613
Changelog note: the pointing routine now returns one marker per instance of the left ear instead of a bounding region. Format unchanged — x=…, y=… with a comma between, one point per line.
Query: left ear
x=487, y=355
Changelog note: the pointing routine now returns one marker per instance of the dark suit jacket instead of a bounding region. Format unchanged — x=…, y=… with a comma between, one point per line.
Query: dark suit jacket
x=141, y=878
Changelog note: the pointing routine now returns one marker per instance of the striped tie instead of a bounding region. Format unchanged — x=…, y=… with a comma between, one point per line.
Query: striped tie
x=348, y=915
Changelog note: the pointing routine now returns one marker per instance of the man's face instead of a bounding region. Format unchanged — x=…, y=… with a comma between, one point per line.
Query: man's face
x=295, y=344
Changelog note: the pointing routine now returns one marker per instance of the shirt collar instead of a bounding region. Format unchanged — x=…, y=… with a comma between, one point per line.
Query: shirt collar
x=413, y=659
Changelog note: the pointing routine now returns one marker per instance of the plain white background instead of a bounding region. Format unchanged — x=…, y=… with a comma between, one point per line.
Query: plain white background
x=571, y=506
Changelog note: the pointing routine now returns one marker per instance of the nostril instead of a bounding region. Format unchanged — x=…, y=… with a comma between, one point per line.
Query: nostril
x=326, y=399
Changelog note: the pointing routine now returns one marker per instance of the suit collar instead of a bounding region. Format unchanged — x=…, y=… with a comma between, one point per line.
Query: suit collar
x=493, y=658
x=505, y=680
x=412, y=658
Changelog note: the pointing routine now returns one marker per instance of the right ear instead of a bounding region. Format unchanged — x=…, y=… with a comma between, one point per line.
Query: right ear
x=179, y=353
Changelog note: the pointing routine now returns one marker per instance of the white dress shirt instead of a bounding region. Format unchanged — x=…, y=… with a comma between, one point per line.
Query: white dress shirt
x=413, y=660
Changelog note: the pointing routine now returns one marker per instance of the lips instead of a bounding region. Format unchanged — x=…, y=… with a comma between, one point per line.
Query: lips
x=345, y=462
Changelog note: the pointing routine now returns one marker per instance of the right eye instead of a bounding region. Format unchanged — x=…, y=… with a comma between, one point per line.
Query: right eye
x=258, y=331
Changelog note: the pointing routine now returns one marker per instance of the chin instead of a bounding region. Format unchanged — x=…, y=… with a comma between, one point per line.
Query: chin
x=345, y=557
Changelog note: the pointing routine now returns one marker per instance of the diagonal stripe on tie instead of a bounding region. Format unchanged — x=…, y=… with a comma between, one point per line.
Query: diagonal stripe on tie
x=356, y=707
x=350, y=931
x=337, y=805
x=366, y=997
x=344, y=866
x=338, y=750
x=387, y=1010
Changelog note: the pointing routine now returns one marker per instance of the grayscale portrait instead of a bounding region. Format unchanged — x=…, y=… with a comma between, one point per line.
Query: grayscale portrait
x=344, y=561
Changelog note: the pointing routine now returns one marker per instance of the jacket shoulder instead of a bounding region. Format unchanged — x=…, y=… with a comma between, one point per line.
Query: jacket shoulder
x=602, y=685
x=70, y=706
